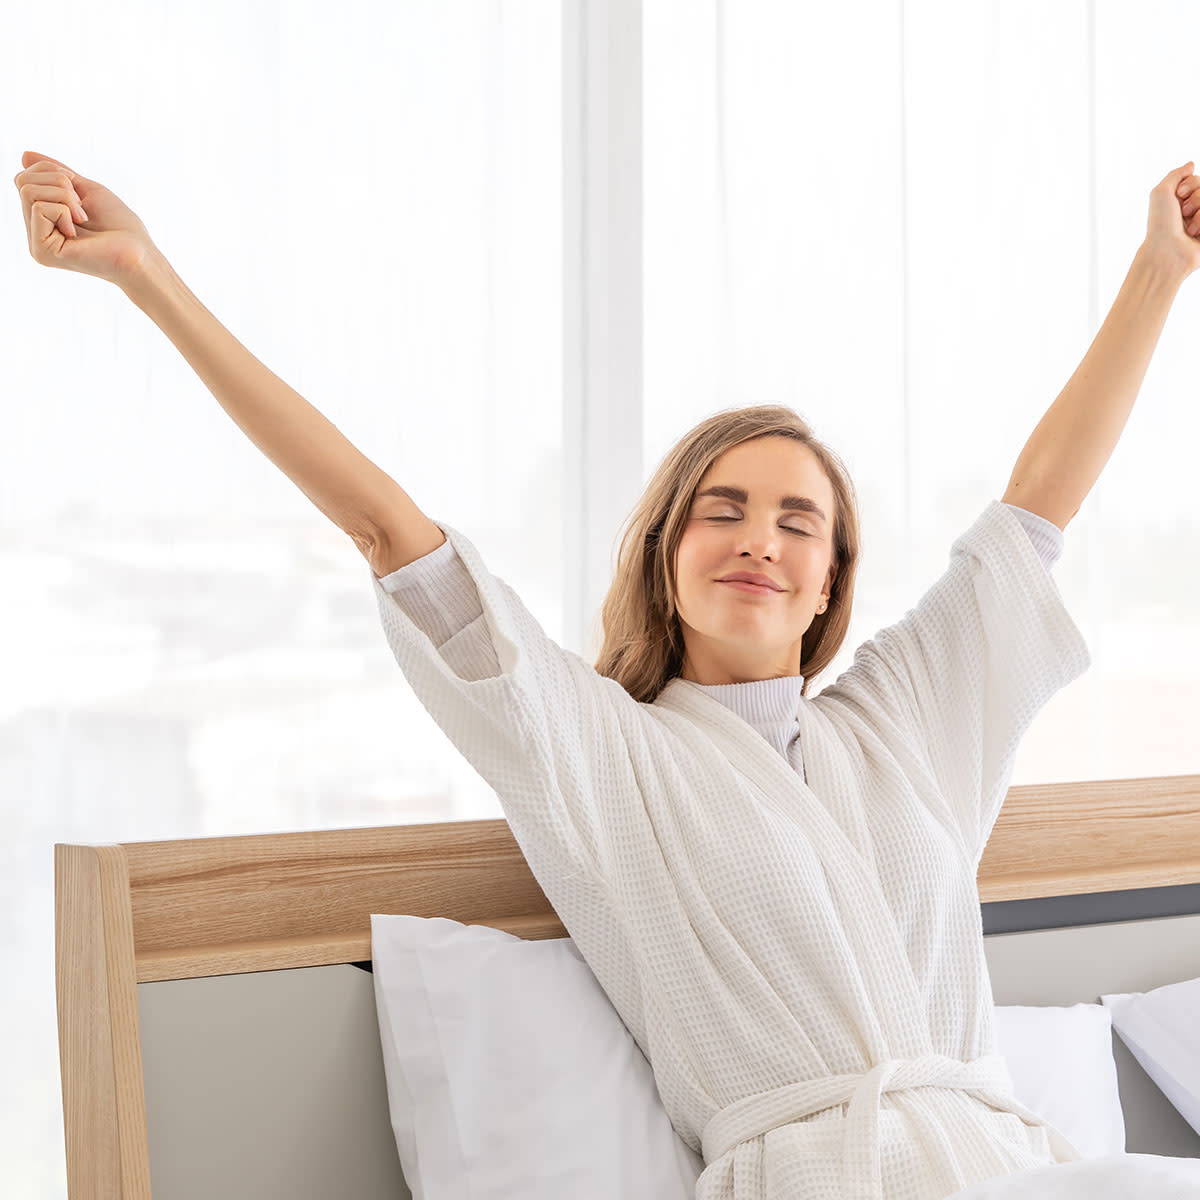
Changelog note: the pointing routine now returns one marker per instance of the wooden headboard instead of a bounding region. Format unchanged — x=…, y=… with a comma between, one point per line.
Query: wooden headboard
x=140, y=912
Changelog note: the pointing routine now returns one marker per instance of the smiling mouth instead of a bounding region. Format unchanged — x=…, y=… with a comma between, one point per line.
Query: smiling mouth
x=743, y=586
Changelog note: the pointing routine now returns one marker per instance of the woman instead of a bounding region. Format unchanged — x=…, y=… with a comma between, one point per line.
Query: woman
x=777, y=892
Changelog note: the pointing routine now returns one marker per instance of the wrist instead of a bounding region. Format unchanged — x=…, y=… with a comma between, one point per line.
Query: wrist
x=1165, y=266
x=148, y=278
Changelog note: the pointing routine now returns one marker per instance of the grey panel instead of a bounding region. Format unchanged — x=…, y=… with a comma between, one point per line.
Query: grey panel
x=1078, y=964
x=271, y=1084
x=1090, y=908
x=267, y=1085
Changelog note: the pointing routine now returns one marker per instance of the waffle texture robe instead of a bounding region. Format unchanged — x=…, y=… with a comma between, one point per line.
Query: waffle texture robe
x=798, y=953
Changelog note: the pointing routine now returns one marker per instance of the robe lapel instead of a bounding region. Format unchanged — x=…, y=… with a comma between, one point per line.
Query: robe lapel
x=850, y=864
x=783, y=789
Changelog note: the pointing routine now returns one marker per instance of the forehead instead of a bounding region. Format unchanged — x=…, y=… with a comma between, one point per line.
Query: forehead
x=770, y=467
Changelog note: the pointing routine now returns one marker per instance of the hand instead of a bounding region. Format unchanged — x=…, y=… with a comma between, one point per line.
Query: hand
x=1173, y=231
x=76, y=223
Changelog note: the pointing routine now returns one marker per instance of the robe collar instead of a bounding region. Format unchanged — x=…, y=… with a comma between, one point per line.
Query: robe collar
x=768, y=706
x=785, y=790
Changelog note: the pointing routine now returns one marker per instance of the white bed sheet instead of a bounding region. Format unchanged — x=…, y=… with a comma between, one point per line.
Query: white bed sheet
x=1115, y=1177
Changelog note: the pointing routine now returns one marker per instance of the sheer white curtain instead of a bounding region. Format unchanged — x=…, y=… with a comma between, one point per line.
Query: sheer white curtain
x=907, y=221
x=369, y=197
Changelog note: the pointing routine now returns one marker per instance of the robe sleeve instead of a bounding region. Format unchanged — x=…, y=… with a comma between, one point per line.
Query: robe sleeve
x=961, y=676
x=537, y=722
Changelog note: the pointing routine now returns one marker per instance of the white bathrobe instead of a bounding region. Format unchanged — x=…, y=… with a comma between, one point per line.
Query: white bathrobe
x=800, y=959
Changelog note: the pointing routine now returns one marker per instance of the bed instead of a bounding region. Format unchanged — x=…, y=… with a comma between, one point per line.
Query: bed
x=217, y=1019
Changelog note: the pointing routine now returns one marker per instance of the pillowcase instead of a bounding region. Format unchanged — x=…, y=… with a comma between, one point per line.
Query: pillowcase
x=1062, y=1067
x=1162, y=1030
x=509, y=1072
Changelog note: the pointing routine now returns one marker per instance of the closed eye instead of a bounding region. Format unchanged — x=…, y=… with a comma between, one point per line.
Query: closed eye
x=801, y=532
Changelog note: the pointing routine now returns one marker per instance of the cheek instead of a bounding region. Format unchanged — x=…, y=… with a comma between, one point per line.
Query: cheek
x=690, y=574
x=696, y=561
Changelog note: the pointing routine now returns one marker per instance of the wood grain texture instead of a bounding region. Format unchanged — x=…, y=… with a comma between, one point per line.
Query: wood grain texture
x=1110, y=835
x=272, y=901
x=100, y=1050
x=84, y=1038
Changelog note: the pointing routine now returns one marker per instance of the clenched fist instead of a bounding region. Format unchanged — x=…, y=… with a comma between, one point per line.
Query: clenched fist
x=76, y=223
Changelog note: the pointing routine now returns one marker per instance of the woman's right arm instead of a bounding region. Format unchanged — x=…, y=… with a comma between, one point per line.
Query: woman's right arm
x=524, y=712
x=108, y=240
x=378, y=515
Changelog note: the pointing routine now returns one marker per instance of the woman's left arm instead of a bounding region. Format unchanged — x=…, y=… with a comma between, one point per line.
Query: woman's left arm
x=1075, y=439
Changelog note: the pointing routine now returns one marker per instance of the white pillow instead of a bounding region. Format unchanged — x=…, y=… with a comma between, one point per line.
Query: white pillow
x=1062, y=1067
x=1162, y=1030
x=509, y=1072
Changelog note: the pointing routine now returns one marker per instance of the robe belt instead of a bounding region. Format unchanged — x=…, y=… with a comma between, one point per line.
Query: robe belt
x=987, y=1078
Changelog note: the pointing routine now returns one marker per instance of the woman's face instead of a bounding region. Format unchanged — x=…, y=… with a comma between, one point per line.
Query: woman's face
x=733, y=634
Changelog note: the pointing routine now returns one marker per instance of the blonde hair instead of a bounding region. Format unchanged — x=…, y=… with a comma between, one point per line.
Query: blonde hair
x=643, y=643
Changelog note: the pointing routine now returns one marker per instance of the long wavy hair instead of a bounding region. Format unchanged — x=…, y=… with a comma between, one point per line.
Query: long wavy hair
x=643, y=645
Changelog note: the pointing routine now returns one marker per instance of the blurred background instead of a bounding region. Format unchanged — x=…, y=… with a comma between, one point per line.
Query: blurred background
x=905, y=220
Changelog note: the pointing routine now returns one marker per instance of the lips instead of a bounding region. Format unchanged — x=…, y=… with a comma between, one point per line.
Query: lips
x=753, y=577
x=743, y=586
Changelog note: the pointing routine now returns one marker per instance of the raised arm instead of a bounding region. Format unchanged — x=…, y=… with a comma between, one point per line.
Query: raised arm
x=1075, y=439
x=372, y=508
x=108, y=241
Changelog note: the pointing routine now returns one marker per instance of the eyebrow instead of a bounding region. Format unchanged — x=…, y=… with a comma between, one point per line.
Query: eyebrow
x=742, y=496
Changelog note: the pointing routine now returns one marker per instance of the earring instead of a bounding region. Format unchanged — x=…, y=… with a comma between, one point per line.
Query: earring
x=823, y=604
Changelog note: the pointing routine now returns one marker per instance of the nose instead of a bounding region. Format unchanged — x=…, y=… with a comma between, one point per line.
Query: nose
x=758, y=541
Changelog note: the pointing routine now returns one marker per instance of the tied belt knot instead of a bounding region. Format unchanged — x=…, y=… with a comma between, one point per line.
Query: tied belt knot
x=986, y=1078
